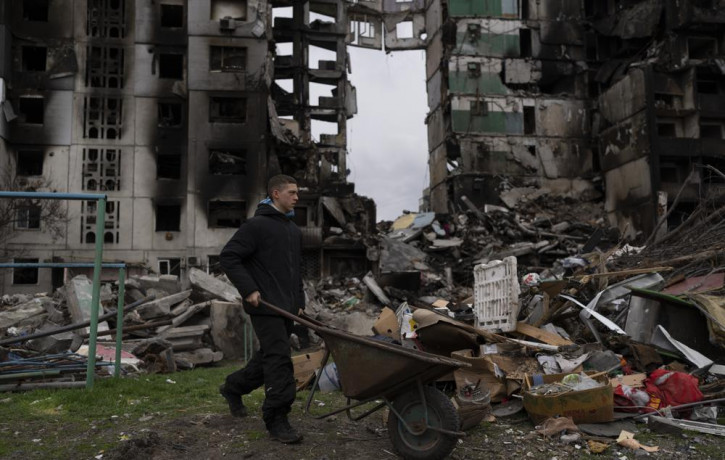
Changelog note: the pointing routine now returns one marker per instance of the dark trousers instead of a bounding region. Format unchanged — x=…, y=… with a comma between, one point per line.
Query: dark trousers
x=271, y=365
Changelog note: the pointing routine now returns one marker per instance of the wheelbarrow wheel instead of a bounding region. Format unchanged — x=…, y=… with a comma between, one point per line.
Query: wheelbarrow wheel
x=427, y=444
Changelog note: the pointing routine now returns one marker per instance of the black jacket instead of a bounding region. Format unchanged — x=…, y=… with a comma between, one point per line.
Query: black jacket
x=265, y=255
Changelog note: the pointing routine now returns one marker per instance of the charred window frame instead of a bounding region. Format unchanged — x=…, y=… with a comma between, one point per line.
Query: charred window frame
x=34, y=58
x=31, y=110
x=101, y=169
x=227, y=59
x=111, y=232
x=228, y=109
x=102, y=117
x=171, y=66
x=27, y=217
x=170, y=266
x=168, y=164
x=106, y=19
x=172, y=16
x=25, y=275
x=227, y=214
x=29, y=163
x=168, y=217
x=104, y=67
x=170, y=114
x=35, y=10
x=231, y=162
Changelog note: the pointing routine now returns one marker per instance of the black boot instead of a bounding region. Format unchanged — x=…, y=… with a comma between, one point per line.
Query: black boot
x=236, y=406
x=280, y=430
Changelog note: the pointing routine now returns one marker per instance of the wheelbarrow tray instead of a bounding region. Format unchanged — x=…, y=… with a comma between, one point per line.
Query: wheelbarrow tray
x=371, y=368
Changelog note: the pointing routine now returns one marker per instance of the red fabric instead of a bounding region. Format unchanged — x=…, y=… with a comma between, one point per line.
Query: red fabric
x=674, y=388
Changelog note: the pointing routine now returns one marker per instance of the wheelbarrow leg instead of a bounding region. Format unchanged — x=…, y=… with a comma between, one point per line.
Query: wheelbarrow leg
x=325, y=358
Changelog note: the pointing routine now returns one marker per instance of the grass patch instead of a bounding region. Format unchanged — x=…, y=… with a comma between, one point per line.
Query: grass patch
x=72, y=423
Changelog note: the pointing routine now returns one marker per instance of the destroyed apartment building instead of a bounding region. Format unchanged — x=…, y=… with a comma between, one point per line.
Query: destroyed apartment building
x=180, y=110
x=173, y=109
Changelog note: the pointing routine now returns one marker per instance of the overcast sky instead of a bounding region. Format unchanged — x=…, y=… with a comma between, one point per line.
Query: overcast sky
x=387, y=139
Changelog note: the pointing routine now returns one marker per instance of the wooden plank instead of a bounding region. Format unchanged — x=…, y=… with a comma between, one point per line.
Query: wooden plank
x=542, y=335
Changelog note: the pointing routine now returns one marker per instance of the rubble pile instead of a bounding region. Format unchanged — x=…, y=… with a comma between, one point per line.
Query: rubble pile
x=553, y=314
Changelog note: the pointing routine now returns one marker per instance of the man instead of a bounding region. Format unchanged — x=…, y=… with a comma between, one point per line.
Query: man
x=263, y=261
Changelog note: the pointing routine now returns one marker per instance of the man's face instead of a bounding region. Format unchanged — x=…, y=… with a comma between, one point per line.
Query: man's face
x=286, y=197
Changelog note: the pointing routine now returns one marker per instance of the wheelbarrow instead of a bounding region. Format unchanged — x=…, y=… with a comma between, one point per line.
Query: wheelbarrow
x=423, y=423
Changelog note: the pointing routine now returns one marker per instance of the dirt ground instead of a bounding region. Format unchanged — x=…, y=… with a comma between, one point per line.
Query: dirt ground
x=217, y=436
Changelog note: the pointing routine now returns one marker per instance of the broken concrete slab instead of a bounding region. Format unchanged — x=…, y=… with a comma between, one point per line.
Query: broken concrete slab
x=375, y=289
x=79, y=296
x=168, y=283
x=191, y=359
x=186, y=337
x=15, y=315
x=162, y=307
x=52, y=344
x=212, y=288
x=188, y=313
x=227, y=326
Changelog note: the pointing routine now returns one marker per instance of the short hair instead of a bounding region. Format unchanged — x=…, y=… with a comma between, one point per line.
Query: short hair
x=276, y=183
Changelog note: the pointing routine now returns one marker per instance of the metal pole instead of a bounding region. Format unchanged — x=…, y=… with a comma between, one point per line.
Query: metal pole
x=96, y=297
x=119, y=320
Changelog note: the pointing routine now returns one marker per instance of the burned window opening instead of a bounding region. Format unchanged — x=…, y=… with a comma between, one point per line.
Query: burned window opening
x=168, y=217
x=227, y=59
x=235, y=9
x=711, y=130
x=106, y=19
x=35, y=58
x=228, y=109
x=525, y=49
x=300, y=217
x=35, y=10
x=227, y=214
x=171, y=66
x=25, y=275
x=228, y=162
x=170, y=114
x=170, y=267
x=172, y=16
x=29, y=163
x=701, y=47
x=529, y=120
x=28, y=217
x=31, y=110
x=101, y=169
x=104, y=67
x=666, y=129
x=102, y=117
x=168, y=166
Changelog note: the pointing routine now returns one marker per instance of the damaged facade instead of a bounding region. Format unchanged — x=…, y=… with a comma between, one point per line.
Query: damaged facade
x=173, y=110
x=553, y=94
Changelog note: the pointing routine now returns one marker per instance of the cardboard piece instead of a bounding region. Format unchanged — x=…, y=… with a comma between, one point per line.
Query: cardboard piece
x=594, y=405
x=387, y=324
x=305, y=366
x=542, y=335
x=633, y=380
x=488, y=370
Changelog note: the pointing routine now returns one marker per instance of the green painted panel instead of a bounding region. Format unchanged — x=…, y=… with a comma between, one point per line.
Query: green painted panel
x=487, y=83
x=474, y=8
x=488, y=45
x=486, y=8
x=493, y=122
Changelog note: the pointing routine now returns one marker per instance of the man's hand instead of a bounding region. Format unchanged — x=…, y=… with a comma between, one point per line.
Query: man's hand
x=253, y=298
x=301, y=312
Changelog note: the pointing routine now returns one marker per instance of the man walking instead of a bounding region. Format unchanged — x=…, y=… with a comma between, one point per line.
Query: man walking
x=263, y=261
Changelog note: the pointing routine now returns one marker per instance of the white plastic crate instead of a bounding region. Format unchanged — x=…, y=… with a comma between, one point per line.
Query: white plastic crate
x=496, y=295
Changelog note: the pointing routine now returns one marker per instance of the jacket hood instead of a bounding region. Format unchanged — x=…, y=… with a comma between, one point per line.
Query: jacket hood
x=264, y=209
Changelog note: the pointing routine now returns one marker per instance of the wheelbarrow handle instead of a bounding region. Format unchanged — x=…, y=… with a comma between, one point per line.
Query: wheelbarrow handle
x=303, y=320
